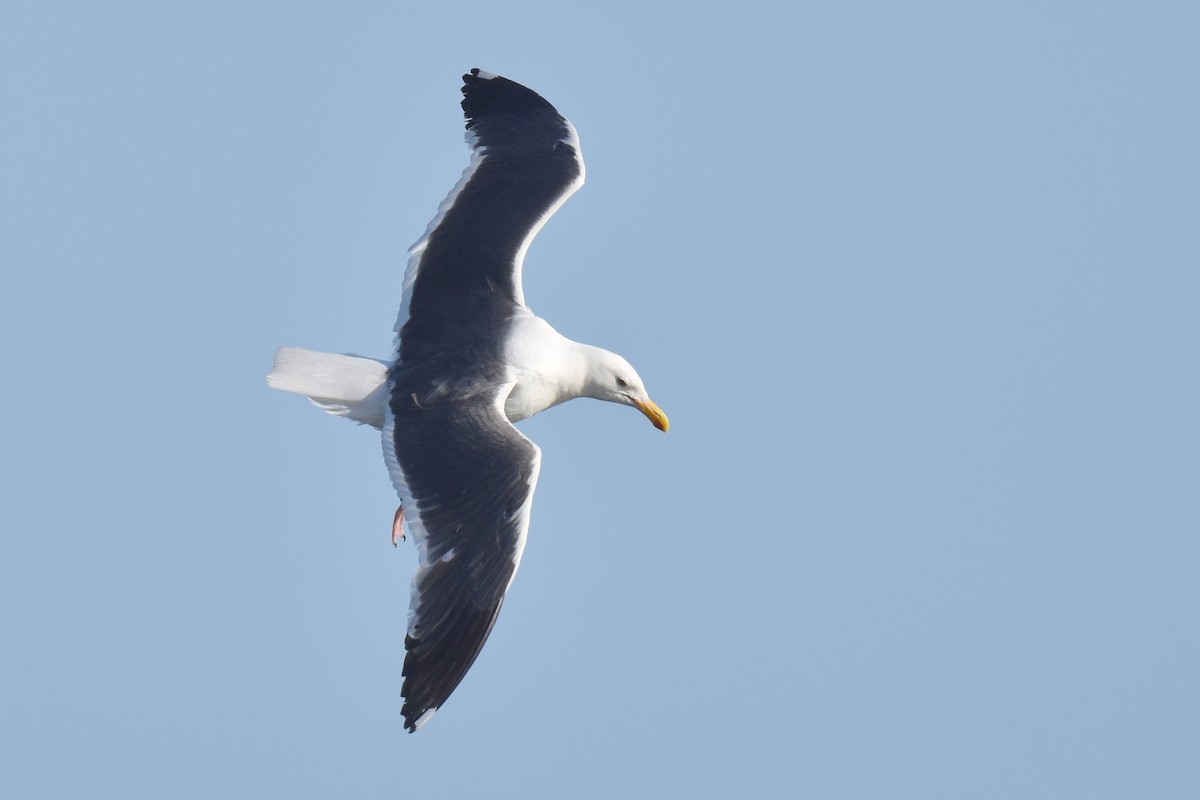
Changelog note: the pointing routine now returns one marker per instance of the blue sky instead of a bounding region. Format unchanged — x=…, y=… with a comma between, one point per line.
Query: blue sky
x=916, y=283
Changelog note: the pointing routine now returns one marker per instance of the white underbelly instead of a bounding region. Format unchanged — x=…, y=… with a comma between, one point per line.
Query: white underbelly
x=528, y=398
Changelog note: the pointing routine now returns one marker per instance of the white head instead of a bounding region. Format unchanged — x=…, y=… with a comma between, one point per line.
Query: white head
x=611, y=378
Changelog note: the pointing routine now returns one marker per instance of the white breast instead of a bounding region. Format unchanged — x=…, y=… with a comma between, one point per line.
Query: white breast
x=546, y=367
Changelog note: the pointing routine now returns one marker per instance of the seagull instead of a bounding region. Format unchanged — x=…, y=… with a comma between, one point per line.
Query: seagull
x=471, y=359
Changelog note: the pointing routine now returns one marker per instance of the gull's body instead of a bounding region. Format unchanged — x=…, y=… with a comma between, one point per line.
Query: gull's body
x=471, y=360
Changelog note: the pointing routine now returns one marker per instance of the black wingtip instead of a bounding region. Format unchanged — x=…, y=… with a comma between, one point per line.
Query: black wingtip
x=486, y=94
x=416, y=718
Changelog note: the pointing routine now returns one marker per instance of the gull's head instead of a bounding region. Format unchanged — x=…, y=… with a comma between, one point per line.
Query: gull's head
x=612, y=378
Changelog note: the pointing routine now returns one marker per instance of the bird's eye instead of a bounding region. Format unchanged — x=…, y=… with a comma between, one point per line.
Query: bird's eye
x=622, y=382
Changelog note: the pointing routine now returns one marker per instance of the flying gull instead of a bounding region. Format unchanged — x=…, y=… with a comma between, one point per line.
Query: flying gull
x=471, y=359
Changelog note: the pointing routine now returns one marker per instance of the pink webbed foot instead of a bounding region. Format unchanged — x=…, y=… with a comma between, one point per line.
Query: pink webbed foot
x=398, y=526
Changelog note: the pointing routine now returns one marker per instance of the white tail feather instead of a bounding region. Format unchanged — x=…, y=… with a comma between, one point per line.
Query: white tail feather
x=344, y=385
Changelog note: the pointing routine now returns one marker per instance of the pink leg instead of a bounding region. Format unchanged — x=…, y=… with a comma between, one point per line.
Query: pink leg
x=398, y=526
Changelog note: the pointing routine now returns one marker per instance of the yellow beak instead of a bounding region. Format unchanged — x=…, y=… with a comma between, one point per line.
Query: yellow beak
x=655, y=414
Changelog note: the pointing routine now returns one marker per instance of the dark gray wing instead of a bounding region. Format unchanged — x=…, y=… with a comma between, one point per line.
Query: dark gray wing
x=463, y=472
x=470, y=477
x=525, y=163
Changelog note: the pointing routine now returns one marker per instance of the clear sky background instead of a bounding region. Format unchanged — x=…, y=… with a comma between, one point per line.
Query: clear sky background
x=917, y=284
